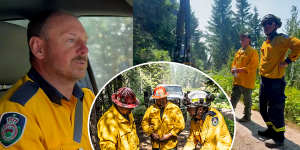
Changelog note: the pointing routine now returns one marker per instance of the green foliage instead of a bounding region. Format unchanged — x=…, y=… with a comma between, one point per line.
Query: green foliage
x=221, y=101
x=241, y=19
x=161, y=55
x=224, y=79
x=154, y=23
x=255, y=30
x=255, y=98
x=159, y=33
x=220, y=28
x=242, y=16
x=293, y=29
x=198, y=51
x=292, y=104
x=145, y=55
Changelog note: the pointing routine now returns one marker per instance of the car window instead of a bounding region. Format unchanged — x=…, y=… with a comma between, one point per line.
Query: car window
x=110, y=45
x=22, y=23
x=174, y=89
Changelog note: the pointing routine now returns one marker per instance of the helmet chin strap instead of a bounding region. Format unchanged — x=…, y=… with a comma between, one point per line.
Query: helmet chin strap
x=274, y=32
x=201, y=115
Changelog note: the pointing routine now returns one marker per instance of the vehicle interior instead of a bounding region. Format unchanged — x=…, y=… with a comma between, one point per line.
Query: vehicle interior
x=14, y=15
x=107, y=22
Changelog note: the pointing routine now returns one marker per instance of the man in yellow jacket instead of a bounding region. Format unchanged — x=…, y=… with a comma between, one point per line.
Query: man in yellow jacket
x=244, y=68
x=163, y=121
x=273, y=62
x=208, y=127
x=46, y=109
x=116, y=127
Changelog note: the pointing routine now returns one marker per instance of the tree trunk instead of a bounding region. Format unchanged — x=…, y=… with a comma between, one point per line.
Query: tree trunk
x=179, y=32
x=187, y=43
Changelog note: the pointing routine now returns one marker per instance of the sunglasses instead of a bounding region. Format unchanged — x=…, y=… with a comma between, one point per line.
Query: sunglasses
x=268, y=23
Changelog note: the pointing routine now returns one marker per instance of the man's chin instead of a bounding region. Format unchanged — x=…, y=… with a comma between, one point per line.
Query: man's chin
x=77, y=75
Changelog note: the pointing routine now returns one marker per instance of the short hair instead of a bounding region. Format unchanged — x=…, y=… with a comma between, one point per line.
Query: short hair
x=271, y=17
x=246, y=34
x=36, y=25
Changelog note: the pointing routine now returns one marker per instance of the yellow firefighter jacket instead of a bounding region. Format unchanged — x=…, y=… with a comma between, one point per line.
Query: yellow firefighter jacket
x=117, y=133
x=273, y=52
x=172, y=121
x=248, y=60
x=36, y=116
x=212, y=133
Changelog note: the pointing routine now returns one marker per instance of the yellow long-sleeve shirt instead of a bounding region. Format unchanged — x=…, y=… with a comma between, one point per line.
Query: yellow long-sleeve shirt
x=212, y=133
x=35, y=116
x=172, y=121
x=274, y=52
x=117, y=133
x=248, y=60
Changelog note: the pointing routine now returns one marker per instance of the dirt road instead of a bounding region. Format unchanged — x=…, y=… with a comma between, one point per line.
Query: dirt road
x=246, y=135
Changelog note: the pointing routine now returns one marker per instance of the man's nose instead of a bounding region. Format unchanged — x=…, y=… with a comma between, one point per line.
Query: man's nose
x=83, y=49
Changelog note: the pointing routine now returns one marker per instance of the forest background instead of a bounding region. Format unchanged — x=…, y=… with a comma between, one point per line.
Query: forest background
x=154, y=33
x=143, y=79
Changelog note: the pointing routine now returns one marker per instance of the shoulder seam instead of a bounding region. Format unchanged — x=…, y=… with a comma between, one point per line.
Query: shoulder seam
x=25, y=92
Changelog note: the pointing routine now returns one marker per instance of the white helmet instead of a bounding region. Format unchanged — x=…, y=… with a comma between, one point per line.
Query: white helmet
x=199, y=98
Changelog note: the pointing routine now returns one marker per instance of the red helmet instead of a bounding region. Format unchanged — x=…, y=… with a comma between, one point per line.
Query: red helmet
x=125, y=97
x=159, y=92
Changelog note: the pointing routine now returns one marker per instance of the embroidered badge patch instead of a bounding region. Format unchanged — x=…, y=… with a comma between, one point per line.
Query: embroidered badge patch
x=215, y=121
x=12, y=125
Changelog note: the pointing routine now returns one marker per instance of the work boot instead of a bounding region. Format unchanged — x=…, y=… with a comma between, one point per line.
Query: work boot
x=277, y=140
x=274, y=144
x=267, y=134
x=244, y=119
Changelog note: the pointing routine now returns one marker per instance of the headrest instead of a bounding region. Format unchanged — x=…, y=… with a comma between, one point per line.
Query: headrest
x=14, y=53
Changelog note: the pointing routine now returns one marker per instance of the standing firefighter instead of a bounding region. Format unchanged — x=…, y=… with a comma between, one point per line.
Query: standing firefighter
x=244, y=68
x=208, y=127
x=116, y=128
x=163, y=121
x=272, y=69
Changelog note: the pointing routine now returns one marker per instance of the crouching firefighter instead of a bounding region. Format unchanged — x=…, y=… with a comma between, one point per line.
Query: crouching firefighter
x=208, y=127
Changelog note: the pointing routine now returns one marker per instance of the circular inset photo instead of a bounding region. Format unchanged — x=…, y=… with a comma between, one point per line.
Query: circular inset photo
x=161, y=105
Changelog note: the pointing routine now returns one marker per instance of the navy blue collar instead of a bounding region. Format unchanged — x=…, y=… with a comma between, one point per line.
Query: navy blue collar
x=272, y=35
x=53, y=94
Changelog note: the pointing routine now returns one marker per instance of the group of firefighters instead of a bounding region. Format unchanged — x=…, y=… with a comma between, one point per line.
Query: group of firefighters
x=273, y=62
x=163, y=121
x=46, y=109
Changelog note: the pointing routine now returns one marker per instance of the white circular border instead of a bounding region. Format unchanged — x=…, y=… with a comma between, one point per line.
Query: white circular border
x=161, y=62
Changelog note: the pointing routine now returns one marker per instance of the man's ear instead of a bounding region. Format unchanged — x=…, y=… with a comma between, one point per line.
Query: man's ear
x=37, y=47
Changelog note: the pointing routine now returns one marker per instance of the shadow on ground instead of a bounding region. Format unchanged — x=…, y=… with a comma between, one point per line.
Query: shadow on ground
x=254, y=127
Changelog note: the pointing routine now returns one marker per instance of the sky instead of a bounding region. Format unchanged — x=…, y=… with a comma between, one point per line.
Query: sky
x=280, y=8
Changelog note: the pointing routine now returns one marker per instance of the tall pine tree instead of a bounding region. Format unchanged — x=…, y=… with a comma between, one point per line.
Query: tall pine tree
x=293, y=29
x=220, y=28
x=255, y=30
x=242, y=16
x=241, y=19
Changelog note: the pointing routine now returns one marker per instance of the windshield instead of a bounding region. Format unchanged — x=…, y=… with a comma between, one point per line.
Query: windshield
x=174, y=89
